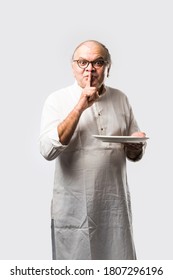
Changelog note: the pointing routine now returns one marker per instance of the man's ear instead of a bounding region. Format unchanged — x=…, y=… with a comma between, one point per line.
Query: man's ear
x=73, y=71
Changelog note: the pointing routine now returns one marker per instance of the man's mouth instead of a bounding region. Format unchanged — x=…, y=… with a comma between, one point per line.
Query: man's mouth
x=92, y=77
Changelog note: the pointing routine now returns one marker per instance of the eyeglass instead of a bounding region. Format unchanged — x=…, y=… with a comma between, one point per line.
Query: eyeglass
x=83, y=63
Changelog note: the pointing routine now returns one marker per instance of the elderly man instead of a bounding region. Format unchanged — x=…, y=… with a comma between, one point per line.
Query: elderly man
x=91, y=210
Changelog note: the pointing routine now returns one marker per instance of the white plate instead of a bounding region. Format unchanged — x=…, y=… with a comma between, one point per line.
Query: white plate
x=121, y=139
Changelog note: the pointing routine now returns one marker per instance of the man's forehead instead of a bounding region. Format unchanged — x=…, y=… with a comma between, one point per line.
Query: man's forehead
x=90, y=49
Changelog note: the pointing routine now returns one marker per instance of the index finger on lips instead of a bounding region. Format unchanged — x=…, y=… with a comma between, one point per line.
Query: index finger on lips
x=88, y=83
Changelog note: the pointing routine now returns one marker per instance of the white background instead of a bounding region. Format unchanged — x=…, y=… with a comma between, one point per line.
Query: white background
x=36, y=42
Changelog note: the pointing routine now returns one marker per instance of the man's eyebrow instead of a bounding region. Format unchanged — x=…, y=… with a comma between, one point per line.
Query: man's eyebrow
x=100, y=57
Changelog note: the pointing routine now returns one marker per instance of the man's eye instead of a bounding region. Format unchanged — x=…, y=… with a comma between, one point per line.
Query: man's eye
x=99, y=63
x=82, y=62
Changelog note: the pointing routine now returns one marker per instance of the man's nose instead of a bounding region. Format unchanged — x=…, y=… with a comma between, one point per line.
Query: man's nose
x=90, y=67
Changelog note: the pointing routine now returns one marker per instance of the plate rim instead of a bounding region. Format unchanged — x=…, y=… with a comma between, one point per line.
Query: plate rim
x=122, y=137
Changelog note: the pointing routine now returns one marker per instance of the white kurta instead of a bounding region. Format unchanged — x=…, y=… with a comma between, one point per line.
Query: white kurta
x=91, y=211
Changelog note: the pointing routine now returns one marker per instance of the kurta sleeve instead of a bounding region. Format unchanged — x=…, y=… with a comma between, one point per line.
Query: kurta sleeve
x=50, y=145
x=133, y=127
x=132, y=123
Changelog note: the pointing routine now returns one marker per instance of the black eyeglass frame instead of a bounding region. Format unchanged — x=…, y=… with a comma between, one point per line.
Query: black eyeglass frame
x=92, y=63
